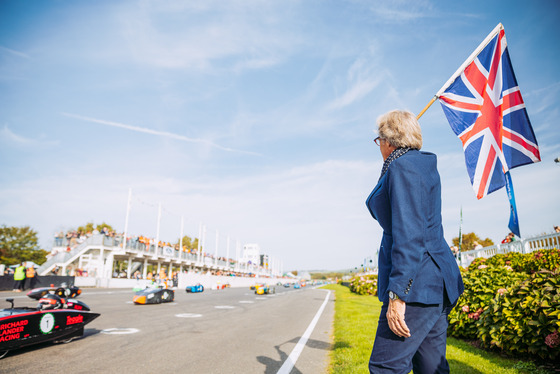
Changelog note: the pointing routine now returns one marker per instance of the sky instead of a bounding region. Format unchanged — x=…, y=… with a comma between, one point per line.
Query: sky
x=255, y=119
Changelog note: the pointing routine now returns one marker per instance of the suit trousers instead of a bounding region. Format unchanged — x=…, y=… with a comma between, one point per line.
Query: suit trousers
x=423, y=352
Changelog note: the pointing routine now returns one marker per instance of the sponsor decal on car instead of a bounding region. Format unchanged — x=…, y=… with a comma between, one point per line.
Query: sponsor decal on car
x=12, y=330
x=73, y=320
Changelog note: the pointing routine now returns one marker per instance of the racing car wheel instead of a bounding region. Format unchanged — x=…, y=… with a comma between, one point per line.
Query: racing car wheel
x=50, y=301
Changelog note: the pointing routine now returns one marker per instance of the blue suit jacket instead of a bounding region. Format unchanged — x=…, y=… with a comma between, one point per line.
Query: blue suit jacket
x=415, y=262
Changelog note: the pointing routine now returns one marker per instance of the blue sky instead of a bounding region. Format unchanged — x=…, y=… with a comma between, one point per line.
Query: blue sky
x=255, y=118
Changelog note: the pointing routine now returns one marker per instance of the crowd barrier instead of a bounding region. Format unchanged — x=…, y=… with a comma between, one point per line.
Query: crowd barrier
x=7, y=281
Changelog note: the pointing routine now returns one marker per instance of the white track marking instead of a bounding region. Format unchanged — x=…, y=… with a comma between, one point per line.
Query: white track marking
x=292, y=358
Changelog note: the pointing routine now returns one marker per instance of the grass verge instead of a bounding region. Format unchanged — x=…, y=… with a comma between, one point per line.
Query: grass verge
x=355, y=324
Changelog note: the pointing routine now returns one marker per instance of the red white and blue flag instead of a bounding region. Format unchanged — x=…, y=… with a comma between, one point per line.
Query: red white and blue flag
x=485, y=109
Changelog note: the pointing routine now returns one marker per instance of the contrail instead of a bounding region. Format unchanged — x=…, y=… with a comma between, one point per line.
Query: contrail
x=155, y=132
x=13, y=51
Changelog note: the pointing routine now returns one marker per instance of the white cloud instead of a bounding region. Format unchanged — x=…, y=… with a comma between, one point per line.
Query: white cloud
x=206, y=35
x=363, y=77
x=356, y=92
x=10, y=138
x=402, y=11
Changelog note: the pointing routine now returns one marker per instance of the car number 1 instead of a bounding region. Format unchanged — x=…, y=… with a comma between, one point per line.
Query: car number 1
x=47, y=323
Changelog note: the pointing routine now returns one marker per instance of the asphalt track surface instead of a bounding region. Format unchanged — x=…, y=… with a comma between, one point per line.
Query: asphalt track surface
x=217, y=331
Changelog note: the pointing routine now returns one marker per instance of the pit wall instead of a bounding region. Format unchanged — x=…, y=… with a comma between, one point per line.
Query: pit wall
x=7, y=282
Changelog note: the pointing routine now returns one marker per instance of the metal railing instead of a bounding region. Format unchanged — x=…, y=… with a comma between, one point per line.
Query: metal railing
x=64, y=253
x=549, y=241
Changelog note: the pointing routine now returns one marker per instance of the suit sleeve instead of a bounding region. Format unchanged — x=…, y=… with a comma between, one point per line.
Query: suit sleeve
x=406, y=195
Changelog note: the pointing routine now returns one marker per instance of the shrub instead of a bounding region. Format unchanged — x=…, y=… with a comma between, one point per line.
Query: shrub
x=514, y=260
x=481, y=286
x=525, y=319
x=548, y=259
x=364, y=285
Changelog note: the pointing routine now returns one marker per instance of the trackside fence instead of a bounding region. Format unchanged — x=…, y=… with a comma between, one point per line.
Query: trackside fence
x=529, y=245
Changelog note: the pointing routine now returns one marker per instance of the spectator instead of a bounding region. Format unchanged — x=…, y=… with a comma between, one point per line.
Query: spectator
x=477, y=245
x=19, y=278
x=31, y=274
x=54, y=271
x=556, y=228
x=455, y=250
x=58, y=239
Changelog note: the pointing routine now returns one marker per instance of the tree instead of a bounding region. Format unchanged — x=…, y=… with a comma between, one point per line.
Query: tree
x=469, y=242
x=327, y=275
x=189, y=243
x=18, y=244
x=89, y=227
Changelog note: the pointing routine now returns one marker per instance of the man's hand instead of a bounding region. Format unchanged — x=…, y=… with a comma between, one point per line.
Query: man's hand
x=395, y=318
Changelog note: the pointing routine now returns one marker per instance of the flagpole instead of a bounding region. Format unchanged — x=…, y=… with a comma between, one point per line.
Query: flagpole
x=426, y=107
x=462, y=67
x=460, y=229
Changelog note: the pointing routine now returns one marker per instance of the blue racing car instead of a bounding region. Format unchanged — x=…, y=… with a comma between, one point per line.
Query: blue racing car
x=196, y=288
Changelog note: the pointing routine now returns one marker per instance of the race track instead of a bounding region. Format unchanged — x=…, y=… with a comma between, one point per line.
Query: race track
x=217, y=331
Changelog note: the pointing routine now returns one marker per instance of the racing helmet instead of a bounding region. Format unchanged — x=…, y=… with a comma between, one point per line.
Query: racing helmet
x=50, y=301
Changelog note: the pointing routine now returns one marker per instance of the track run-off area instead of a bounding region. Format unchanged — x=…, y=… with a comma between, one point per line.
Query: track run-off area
x=217, y=331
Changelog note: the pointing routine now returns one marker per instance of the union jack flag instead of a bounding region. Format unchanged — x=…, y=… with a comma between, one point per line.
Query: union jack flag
x=486, y=111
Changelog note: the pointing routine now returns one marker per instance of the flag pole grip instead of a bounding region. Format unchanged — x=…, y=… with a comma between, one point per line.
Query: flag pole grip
x=426, y=107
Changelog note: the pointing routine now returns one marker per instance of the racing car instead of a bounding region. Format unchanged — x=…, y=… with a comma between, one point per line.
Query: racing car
x=196, y=288
x=264, y=290
x=220, y=286
x=53, y=320
x=153, y=295
x=62, y=291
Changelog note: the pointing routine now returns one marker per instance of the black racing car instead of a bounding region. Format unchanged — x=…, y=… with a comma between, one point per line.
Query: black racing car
x=62, y=291
x=54, y=320
x=154, y=296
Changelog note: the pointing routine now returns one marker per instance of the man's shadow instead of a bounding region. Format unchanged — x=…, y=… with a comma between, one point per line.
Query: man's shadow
x=272, y=366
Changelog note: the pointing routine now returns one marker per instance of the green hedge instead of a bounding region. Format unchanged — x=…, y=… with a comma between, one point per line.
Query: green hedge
x=525, y=319
x=512, y=303
x=481, y=287
x=526, y=263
